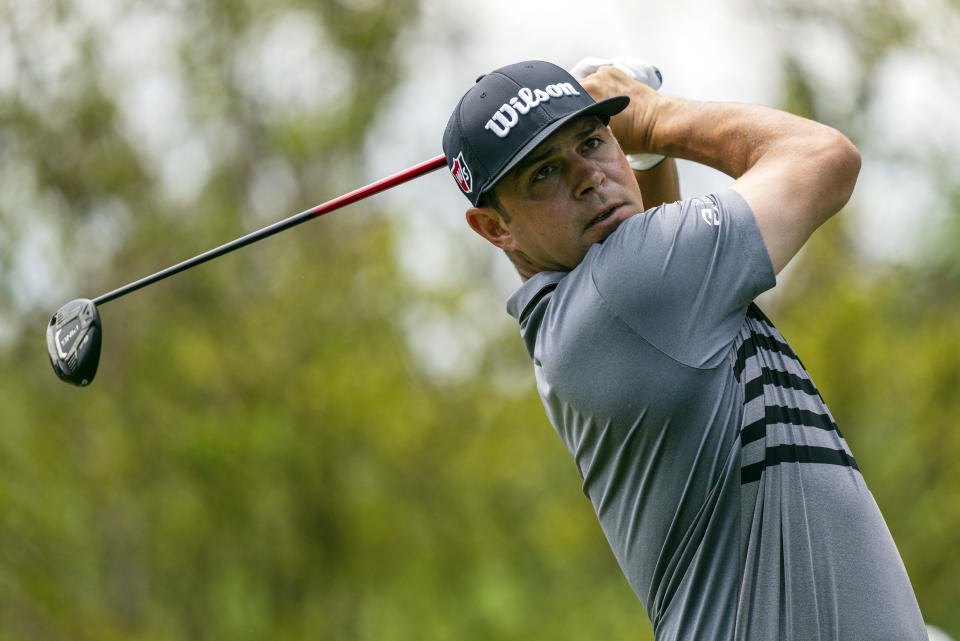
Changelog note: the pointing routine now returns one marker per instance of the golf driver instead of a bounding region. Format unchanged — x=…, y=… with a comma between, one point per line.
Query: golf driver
x=74, y=333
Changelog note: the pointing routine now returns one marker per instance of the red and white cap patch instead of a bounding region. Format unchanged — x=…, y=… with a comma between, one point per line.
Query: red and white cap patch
x=462, y=174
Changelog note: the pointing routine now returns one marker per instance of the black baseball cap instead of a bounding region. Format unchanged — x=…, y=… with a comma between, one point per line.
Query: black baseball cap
x=506, y=114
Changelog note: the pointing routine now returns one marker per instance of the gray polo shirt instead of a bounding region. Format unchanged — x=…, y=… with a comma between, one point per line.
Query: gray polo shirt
x=728, y=495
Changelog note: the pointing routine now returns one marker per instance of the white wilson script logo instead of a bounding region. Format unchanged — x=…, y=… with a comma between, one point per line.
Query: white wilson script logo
x=508, y=115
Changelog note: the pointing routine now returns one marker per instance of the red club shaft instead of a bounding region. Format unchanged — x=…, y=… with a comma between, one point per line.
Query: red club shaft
x=340, y=201
x=373, y=188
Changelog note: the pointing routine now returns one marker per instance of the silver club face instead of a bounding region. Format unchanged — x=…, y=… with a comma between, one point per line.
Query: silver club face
x=73, y=341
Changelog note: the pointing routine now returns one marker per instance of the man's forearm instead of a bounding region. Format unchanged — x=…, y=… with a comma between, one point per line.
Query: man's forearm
x=729, y=137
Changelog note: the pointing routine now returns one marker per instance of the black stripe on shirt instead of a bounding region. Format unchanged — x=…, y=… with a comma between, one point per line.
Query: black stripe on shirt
x=754, y=312
x=786, y=415
x=749, y=348
x=753, y=432
x=795, y=416
x=791, y=381
x=795, y=454
x=754, y=388
x=771, y=343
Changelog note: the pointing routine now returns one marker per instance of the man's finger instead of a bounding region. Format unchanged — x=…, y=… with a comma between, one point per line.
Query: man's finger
x=637, y=68
x=641, y=71
x=588, y=66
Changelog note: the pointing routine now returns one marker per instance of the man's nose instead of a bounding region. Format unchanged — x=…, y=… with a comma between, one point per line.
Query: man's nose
x=587, y=178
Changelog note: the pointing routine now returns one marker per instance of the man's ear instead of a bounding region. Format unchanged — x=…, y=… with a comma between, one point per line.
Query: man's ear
x=488, y=223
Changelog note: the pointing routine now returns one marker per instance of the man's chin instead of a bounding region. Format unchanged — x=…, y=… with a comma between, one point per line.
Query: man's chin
x=606, y=227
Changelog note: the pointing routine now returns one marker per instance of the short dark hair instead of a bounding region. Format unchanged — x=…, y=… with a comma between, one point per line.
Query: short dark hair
x=489, y=198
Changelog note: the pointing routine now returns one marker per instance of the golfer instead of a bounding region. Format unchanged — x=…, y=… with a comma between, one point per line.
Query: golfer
x=728, y=495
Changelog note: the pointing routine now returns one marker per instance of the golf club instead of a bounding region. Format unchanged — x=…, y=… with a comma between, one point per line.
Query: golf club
x=74, y=332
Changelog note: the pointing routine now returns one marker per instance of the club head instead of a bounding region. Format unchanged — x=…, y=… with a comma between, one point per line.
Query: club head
x=73, y=341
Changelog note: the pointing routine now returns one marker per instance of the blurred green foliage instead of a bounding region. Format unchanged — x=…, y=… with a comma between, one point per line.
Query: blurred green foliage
x=272, y=465
x=262, y=454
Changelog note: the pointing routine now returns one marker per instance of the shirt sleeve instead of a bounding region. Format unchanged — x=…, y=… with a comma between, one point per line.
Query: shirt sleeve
x=682, y=274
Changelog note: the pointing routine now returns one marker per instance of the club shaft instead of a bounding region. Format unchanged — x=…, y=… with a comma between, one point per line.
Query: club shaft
x=340, y=201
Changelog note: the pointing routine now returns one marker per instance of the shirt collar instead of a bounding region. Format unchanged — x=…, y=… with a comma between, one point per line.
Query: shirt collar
x=519, y=304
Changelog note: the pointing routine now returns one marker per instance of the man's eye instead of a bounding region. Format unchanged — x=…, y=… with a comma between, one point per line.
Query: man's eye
x=592, y=143
x=543, y=172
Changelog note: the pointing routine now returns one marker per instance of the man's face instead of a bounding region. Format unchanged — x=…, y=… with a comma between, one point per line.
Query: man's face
x=572, y=191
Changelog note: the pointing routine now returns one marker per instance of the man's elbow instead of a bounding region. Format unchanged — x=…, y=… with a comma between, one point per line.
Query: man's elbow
x=840, y=164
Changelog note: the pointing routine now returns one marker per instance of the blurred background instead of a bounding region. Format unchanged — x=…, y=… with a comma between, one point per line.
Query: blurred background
x=334, y=433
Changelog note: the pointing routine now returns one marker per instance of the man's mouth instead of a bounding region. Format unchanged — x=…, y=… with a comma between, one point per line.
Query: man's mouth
x=603, y=216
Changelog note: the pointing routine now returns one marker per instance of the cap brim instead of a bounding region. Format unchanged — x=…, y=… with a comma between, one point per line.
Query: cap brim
x=605, y=108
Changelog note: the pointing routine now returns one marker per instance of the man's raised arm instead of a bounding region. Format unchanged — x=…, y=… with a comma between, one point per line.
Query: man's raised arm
x=793, y=172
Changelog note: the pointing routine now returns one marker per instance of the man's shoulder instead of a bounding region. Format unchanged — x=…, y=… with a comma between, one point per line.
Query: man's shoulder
x=699, y=213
